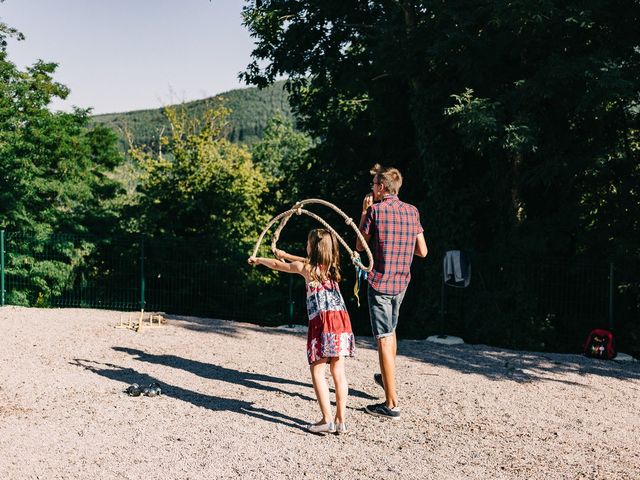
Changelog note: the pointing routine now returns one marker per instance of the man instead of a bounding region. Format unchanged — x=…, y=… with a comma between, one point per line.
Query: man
x=393, y=229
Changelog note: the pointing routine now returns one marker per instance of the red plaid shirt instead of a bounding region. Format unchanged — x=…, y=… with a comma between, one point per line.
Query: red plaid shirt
x=393, y=226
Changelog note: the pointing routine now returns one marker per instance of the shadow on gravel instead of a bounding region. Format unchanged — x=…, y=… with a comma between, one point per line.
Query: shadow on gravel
x=128, y=376
x=514, y=365
x=230, y=328
x=493, y=363
x=217, y=372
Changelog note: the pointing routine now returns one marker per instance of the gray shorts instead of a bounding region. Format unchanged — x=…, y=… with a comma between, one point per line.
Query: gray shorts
x=383, y=312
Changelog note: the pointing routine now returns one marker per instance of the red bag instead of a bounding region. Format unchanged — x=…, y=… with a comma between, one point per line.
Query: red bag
x=600, y=344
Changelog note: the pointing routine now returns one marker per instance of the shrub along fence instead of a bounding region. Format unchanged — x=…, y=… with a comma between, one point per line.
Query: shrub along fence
x=132, y=273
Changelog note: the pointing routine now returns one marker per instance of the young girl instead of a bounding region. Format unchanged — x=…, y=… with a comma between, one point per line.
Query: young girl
x=329, y=337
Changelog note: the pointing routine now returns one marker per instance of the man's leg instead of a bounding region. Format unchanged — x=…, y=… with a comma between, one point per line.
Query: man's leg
x=383, y=326
x=387, y=347
x=387, y=351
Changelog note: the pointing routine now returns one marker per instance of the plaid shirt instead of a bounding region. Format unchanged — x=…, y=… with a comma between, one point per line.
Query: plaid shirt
x=393, y=226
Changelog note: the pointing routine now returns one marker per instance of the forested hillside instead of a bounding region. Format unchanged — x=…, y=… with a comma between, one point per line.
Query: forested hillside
x=251, y=109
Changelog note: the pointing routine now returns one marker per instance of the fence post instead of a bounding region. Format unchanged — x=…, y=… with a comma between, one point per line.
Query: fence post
x=2, y=268
x=142, y=301
x=611, y=290
x=442, y=300
x=291, y=302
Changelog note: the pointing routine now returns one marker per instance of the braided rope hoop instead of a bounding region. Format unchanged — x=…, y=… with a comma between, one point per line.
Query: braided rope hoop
x=297, y=209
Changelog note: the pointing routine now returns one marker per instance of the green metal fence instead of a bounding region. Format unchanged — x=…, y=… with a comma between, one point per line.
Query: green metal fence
x=507, y=302
x=511, y=298
x=2, y=286
x=131, y=273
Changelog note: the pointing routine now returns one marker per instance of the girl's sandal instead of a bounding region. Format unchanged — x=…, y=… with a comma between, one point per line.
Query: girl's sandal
x=341, y=428
x=321, y=428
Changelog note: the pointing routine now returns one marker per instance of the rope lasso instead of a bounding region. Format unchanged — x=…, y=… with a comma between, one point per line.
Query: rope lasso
x=298, y=210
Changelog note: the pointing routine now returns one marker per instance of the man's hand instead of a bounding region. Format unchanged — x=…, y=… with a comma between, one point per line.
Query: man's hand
x=367, y=202
x=252, y=260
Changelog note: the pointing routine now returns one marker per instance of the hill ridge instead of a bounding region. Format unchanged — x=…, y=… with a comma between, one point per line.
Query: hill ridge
x=251, y=109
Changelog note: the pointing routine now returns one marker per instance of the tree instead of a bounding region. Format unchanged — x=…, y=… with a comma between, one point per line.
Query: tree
x=53, y=178
x=52, y=168
x=283, y=155
x=509, y=118
x=200, y=183
x=200, y=211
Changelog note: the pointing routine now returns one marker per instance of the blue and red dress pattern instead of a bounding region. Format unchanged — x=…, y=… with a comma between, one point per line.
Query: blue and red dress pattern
x=330, y=333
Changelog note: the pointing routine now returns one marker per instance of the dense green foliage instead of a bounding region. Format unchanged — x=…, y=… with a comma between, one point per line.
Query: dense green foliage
x=84, y=228
x=199, y=200
x=516, y=125
x=52, y=168
x=250, y=110
x=200, y=183
x=283, y=156
x=53, y=177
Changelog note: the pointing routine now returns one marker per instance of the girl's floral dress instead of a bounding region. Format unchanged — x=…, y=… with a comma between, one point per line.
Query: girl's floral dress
x=330, y=333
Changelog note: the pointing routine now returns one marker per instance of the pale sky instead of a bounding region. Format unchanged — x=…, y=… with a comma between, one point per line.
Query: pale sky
x=121, y=55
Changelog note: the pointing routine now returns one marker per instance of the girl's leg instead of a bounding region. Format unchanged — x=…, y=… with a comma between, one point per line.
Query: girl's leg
x=342, y=387
x=321, y=388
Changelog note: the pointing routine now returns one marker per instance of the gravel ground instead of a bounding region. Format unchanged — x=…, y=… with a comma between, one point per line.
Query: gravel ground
x=236, y=398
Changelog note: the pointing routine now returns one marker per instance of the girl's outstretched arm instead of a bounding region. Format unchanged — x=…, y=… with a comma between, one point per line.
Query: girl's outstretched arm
x=288, y=256
x=273, y=264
